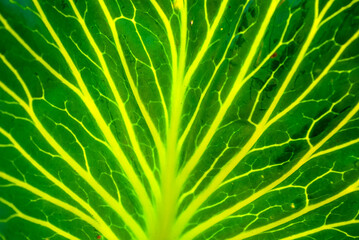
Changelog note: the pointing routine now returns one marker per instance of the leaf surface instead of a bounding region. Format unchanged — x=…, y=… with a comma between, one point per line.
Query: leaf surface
x=179, y=120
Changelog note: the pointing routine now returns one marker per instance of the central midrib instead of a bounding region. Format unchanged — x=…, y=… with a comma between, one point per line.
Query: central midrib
x=167, y=206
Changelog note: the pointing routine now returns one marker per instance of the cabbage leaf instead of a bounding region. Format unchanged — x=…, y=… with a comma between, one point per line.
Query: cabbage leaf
x=179, y=119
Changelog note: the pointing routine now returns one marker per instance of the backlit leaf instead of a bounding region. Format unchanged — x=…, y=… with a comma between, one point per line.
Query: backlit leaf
x=179, y=119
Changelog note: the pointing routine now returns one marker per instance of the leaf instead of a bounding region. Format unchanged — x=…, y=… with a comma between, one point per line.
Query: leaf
x=179, y=120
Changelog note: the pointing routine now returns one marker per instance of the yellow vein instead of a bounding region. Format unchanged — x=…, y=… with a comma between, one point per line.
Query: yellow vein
x=183, y=44
x=38, y=58
x=270, y=54
x=206, y=14
x=44, y=63
x=15, y=116
x=84, y=54
x=316, y=9
x=154, y=131
x=81, y=124
x=15, y=72
x=315, y=82
x=141, y=192
x=154, y=72
x=129, y=126
x=297, y=62
x=49, y=176
x=260, y=127
x=167, y=208
x=352, y=188
x=223, y=173
x=259, y=94
x=223, y=215
x=170, y=35
x=338, y=12
x=133, y=178
x=204, y=48
x=336, y=148
x=104, y=229
x=198, y=107
x=314, y=121
x=76, y=140
x=249, y=76
x=332, y=226
x=174, y=57
x=231, y=180
x=37, y=221
x=75, y=119
x=280, y=43
x=117, y=206
x=203, y=177
x=193, y=161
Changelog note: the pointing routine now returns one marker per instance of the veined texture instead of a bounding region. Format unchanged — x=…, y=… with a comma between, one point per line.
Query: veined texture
x=179, y=119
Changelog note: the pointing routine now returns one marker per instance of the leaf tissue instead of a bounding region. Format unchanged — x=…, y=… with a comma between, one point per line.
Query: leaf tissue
x=179, y=119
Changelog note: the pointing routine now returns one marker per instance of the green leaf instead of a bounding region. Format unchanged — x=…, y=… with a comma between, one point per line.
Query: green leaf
x=179, y=120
